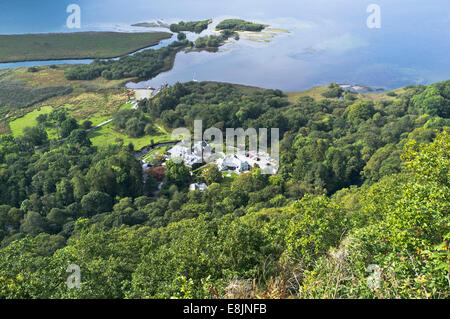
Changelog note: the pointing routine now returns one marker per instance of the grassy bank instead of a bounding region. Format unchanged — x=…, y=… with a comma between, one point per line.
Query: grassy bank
x=316, y=93
x=107, y=134
x=54, y=76
x=28, y=120
x=78, y=45
x=16, y=95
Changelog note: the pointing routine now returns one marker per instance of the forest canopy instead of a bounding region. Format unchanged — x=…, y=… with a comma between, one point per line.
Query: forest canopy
x=361, y=182
x=142, y=65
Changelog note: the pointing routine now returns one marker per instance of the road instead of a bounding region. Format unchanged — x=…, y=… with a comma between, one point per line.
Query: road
x=134, y=107
x=101, y=124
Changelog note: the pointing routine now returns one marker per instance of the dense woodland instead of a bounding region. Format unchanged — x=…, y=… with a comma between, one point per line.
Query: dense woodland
x=361, y=183
x=134, y=123
x=142, y=65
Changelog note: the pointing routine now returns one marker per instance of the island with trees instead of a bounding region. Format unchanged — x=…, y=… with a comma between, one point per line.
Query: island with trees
x=192, y=26
x=240, y=25
x=154, y=24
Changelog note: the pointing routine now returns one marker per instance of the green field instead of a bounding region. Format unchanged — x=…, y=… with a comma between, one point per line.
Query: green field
x=107, y=134
x=316, y=93
x=78, y=45
x=96, y=103
x=28, y=120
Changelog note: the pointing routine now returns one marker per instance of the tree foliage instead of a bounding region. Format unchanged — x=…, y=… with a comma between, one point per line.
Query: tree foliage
x=239, y=25
x=361, y=183
x=191, y=26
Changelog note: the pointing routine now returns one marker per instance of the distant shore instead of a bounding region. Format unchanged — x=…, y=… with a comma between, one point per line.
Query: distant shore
x=75, y=46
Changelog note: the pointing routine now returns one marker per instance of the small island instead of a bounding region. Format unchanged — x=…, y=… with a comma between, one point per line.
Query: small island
x=157, y=24
x=229, y=28
x=240, y=25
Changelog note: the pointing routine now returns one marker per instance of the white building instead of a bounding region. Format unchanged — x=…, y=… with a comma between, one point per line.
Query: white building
x=238, y=163
x=187, y=155
x=198, y=187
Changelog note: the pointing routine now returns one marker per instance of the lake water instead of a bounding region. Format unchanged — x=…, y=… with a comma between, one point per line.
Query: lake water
x=328, y=40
